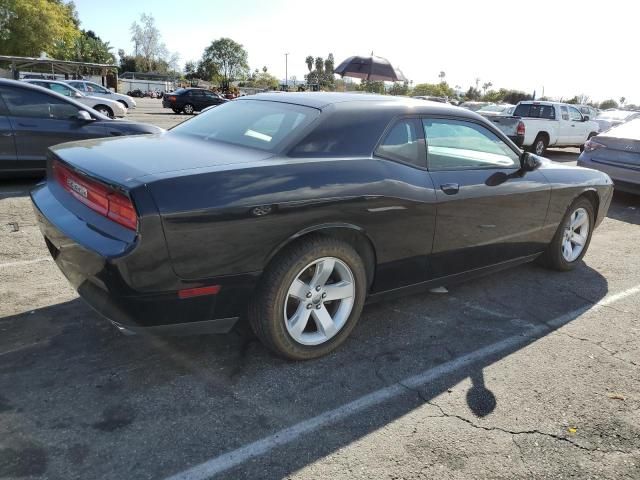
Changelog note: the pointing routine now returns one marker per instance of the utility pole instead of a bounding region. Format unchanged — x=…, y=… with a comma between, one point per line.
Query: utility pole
x=286, y=70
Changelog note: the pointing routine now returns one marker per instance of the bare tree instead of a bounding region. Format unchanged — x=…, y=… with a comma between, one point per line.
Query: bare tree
x=147, y=41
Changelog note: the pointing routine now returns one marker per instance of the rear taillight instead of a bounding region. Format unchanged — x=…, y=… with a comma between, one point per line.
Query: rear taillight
x=520, y=129
x=172, y=98
x=97, y=197
x=591, y=145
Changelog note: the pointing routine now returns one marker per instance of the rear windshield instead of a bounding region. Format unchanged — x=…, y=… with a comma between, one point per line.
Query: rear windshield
x=249, y=123
x=532, y=110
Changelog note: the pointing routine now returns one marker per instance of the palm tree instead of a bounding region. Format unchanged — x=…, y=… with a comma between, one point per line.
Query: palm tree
x=441, y=76
x=264, y=69
x=477, y=82
x=309, y=62
x=622, y=100
x=486, y=86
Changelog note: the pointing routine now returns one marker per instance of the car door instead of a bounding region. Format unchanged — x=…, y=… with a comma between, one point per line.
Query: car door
x=488, y=210
x=7, y=142
x=581, y=129
x=210, y=99
x=198, y=99
x=40, y=120
x=566, y=130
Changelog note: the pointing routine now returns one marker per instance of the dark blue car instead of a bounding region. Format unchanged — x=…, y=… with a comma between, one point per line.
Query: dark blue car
x=32, y=119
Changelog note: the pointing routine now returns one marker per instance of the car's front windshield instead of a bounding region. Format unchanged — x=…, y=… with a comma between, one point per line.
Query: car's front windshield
x=257, y=124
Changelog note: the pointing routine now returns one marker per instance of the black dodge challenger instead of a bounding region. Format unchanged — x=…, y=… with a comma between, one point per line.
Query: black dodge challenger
x=292, y=209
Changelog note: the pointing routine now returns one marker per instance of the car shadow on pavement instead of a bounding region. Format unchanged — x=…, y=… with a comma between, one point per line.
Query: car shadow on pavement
x=625, y=207
x=87, y=402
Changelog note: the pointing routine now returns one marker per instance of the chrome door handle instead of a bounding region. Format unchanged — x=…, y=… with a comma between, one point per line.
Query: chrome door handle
x=450, y=188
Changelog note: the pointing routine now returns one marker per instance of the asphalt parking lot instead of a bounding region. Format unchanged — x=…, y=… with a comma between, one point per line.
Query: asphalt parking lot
x=522, y=374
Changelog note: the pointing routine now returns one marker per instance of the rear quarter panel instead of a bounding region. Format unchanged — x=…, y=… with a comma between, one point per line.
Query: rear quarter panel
x=234, y=221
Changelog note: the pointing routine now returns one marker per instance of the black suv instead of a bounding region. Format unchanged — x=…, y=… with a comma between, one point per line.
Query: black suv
x=189, y=100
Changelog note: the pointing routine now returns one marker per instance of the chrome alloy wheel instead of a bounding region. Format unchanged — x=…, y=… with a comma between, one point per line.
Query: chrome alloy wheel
x=323, y=291
x=575, y=235
x=539, y=147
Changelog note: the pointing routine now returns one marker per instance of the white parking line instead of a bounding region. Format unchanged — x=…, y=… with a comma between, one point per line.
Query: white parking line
x=26, y=262
x=236, y=457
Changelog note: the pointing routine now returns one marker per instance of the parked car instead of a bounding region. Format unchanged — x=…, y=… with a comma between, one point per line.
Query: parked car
x=538, y=125
x=191, y=100
x=95, y=90
x=617, y=153
x=496, y=109
x=292, y=209
x=614, y=117
x=107, y=107
x=432, y=98
x=473, y=106
x=33, y=118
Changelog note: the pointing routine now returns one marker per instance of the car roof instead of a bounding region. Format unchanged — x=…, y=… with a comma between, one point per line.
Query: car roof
x=321, y=100
x=59, y=82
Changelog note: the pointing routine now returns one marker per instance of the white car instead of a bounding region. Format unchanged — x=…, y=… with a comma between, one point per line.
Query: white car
x=95, y=90
x=107, y=107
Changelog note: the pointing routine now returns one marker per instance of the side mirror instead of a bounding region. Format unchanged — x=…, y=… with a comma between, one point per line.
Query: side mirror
x=586, y=118
x=529, y=162
x=84, y=116
x=77, y=95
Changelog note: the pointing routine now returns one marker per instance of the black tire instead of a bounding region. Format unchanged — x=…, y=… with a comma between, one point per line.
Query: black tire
x=103, y=109
x=591, y=135
x=188, y=109
x=552, y=257
x=266, y=310
x=539, y=145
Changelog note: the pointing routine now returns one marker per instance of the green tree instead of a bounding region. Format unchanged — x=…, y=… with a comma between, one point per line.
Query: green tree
x=611, y=103
x=399, y=88
x=309, y=62
x=191, y=70
x=441, y=76
x=226, y=59
x=89, y=47
x=329, y=64
x=622, y=101
x=29, y=27
x=371, y=86
x=441, y=89
x=319, y=64
x=486, y=86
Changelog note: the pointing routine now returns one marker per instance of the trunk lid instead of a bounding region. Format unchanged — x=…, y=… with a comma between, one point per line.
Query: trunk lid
x=134, y=160
x=622, y=145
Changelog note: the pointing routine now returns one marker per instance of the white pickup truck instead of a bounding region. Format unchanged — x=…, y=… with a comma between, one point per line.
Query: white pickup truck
x=538, y=125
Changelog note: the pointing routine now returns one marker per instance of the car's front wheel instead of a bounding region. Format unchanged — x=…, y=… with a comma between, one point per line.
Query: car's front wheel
x=572, y=238
x=310, y=298
x=104, y=110
x=188, y=109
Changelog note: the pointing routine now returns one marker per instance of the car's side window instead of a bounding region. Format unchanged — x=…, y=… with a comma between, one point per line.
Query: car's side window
x=61, y=89
x=575, y=115
x=565, y=112
x=461, y=145
x=97, y=88
x=403, y=143
x=79, y=85
x=28, y=103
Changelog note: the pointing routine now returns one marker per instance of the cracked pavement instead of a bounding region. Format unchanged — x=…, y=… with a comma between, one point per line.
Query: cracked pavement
x=78, y=400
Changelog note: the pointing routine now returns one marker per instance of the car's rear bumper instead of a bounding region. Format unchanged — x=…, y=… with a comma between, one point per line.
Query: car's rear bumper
x=101, y=269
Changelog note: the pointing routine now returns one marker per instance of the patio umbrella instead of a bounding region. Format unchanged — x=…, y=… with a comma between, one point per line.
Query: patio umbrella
x=369, y=68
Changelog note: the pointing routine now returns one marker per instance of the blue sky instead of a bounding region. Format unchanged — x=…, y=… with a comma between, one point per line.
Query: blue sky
x=567, y=47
